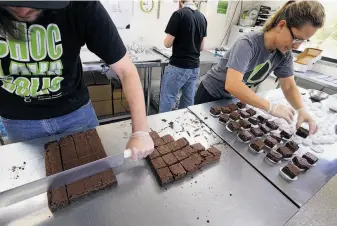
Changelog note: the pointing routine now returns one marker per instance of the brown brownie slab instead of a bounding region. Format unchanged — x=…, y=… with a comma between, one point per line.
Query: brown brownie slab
x=163, y=150
x=178, y=171
x=67, y=148
x=207, y=158
x=196, y=158
x=302, y=132
x=293, y=146
x=158, y=163
x=108, y=178
x=198, y=147
x=291, y=170
x=301, y=163
x=167, y=139
x=169, y=159
x=158, y=142
x=189, y=150
x=226, y=110
x=76, y=190
x=154, y=154
x=285, y=152
x=251, y=112
x=233, y=107
x=165, y=175
x=95, y=143
x=311, y=158
x=234, y=115
x=154, y=135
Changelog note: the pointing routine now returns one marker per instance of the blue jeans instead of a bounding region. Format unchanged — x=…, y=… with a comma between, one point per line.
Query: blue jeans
x=21, y=130
x=173, y=80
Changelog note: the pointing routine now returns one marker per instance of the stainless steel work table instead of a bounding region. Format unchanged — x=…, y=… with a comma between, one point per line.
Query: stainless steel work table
x=299, y=191
x=229, y=192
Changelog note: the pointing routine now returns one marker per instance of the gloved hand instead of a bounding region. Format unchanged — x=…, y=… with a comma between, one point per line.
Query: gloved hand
x=281, y=111
x=304, y=116
x=140, y=144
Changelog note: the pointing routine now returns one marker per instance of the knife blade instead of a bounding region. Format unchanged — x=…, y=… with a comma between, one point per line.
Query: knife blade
x=34, y=188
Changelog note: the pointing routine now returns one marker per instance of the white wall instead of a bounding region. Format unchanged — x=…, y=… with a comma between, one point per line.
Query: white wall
x=145, y=27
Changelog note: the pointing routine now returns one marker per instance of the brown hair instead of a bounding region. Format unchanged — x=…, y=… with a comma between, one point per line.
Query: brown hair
x=297, y=14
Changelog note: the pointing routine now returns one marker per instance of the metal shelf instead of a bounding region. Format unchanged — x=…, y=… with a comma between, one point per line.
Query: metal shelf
x=113, y=118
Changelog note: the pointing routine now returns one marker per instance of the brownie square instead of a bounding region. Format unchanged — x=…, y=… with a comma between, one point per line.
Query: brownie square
x=158, y=142
x=215, y=152
x=81, y=144
x=165, y=175
x=95, y=143
x=224, y=118
x=188, y=164
x=70, y=164
x=215, y=110
x=234, y=116
x=198, y=147
x=253, y=121
x=285, y=152
x=234, y=126
x=312, y=159
x=93, y=183
x=108, y=178
x=167, y=139
x=178, y=171
x=251, y=112
x=256, y=132
x=262, y=119
x=188, y=150
x=274, y=156
x=154, y=154
x=181, y=155
x=265, y=129
x=257, y=145
x=179, y=144
x=301, y=163
x=293, y=146
x=76, y=190
x=196, y=158
x=67, y=147
x=207, y=158
x=272, y=125
x=245, y=136
x=169, y=159
x=233, y=107
x=291, y=170
x=270, y=142
x=57, y=199
x=245, y=124
x=158, y=163
x=285, y=134
x=241, y=105
x=226, y=110
x=163, y=150
x=244, y=114
x=302, y=132
x=276, y=136
x=154, y=135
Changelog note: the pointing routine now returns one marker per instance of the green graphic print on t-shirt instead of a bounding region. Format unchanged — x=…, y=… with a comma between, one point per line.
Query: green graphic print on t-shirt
x=35, y=68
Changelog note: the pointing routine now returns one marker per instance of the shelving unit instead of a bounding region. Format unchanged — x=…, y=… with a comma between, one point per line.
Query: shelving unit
x=263, y=15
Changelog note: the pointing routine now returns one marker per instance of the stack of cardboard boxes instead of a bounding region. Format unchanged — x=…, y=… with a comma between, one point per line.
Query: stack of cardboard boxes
x=106, y=99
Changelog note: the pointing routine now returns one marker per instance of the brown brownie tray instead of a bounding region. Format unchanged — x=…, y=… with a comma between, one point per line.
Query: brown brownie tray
x=69, y=152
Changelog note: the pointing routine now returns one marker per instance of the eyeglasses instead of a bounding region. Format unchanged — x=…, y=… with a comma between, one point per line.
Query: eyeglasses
x=296, y=40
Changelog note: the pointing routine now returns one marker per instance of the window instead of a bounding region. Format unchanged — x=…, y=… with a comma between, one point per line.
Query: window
x=326, y=37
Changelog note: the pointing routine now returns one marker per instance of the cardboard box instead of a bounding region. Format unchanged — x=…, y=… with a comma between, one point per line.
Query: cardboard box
x=99, y=92
x=120, y=106
x=102, y=107
x=118, y=94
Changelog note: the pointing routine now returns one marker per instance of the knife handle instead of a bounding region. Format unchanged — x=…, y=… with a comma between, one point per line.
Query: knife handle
x=127, y=153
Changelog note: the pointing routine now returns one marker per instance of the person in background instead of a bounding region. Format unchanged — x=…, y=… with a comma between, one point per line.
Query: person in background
x=255, y=55
x=186, y=32
x=42, y=90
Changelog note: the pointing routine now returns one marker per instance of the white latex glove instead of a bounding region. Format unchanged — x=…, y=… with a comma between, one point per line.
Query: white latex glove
x=140, y=144
x=304, y=116
x=281, y=111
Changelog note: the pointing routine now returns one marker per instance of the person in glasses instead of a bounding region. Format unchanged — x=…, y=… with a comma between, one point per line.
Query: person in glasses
x=255, y=55
x=42, y=90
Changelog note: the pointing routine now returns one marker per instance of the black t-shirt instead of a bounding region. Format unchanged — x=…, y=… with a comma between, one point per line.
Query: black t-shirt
x=42, y=78
x=189, y=27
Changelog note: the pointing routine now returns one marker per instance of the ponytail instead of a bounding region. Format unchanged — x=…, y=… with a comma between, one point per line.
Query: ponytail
x=297, y=14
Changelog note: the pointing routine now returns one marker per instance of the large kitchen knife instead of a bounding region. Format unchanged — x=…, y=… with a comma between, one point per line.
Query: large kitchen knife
x=45, y=184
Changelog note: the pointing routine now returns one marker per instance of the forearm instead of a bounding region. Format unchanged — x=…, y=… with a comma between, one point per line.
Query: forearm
x=293, y=96
x=134, y=95
x=245, y=94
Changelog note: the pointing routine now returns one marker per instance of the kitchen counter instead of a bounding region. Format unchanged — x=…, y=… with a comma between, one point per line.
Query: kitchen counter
x=229, y=192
